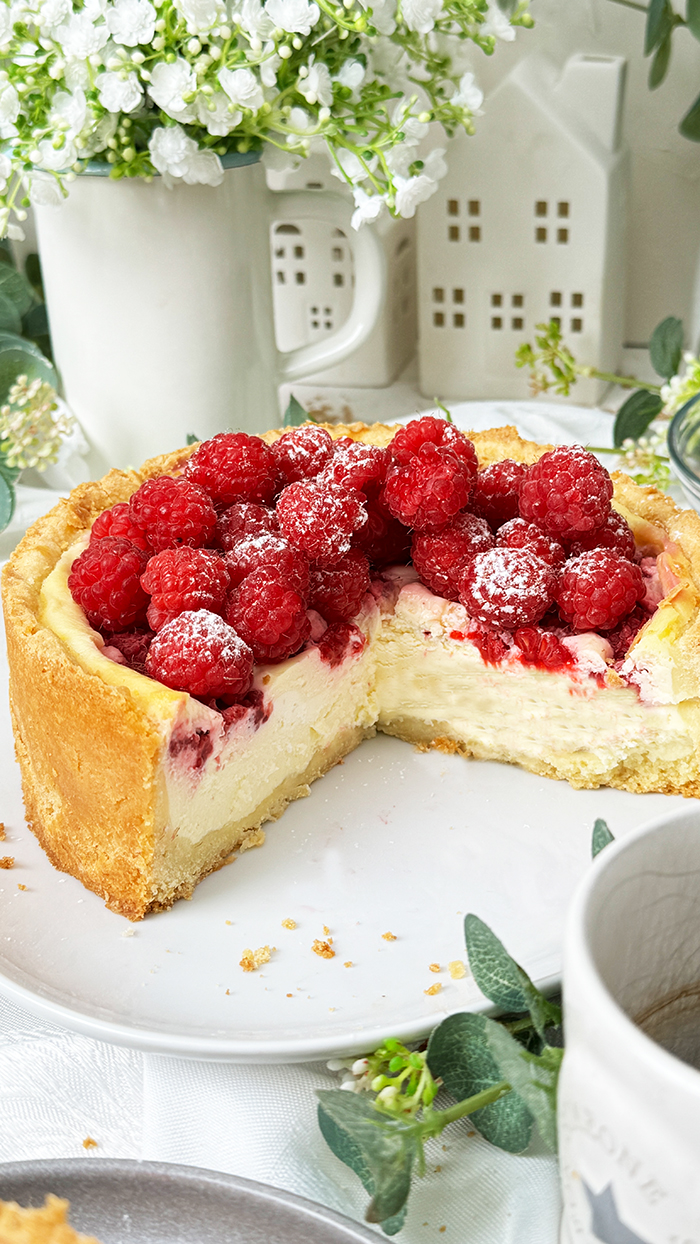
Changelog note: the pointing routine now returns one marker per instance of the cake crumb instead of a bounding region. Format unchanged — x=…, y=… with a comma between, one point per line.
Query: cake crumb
x=3, y=835
x=253, y=959
x=326, y=931
x=433, y=988
x=434, y=967
x=290, y=995
x=441, y=1229
x=437, y=1170
x=323, y=949
x=331, y=1008
x=289, y=923
x=20, y=886
x=348, y=963
x=89, y=1143
x=7, y=861
x=228, y=921
x=128, y=932
x=457, y=969
x=389, y=937
x=228, y=993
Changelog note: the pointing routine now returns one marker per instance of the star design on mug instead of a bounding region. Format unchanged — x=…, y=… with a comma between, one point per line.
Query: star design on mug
x=605, y=1221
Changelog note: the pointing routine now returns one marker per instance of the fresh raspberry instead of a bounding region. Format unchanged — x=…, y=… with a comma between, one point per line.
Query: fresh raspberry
x=272, y=551
x=597, y=589
x=383, y=539
x=624, y=635
x=439, y=432
x=615, y=534
x=356, y=465
x=538, y=647
x=198, y=652
x=173, y=512
x=567, y=492
x=182, y=580
x=234, y=467
x=302, y=453
x=105, y=581
x=118, y=522
x=269, y=615
x=495, y=495
x=337, y=592
x=133, y=646
x=341, y=640
x=320, y=519
x=440, y=560
x=429, y=492
x=519, y=534
x=507, y=588
x=490, y=645
x=244, y=518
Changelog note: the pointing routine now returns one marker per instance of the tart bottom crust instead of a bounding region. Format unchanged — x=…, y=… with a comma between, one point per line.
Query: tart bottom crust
x=94, y=799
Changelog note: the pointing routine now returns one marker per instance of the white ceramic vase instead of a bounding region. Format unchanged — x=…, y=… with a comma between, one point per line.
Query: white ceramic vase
x=160, y=307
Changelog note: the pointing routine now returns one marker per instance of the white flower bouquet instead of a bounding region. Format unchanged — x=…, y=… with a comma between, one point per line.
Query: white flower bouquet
x=174, y=86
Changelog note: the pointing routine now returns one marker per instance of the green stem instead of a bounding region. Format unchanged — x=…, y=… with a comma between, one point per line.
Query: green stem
x=603, y=449
x=629, y=4
x=435, y=1120
x=625, y=382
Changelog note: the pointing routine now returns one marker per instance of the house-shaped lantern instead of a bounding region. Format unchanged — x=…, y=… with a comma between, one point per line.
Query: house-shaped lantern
x=528, y=225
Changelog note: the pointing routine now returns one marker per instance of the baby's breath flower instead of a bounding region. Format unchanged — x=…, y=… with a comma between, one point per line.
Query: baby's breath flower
x=30, y=429
x=646, y=460
x=682, y=387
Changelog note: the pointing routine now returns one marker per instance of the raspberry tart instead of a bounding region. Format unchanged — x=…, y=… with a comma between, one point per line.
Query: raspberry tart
x=191, y=645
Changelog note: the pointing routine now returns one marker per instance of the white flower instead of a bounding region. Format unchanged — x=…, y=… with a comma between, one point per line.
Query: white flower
x=55, y=159
x=5, y=24
x=9, y=111
x=352, y=166
x=299, y=119
x=420, y=15
x=169, y=83
x=412, y=192
x=201, y=15
x=268, y=69
x=5, y=171
x=175, y=155
x=399, y=158
x=468, y=96
x=351, y=74
x=15, y=233
x=44, y=189
x=434, y=165
x=217, y=114
x=97, y=140
x=76, y=75
x=367, y=207
x=295, y=16
x=80, y=37
x=279, y=161
x=131, y=22
x=316, y=87
x=95, y=9
x=382, y=15
x=242, y=88
x=53, y=13
x=255, y=20
x=414, y=131
x=118, y=94
x=497, y=24
x=68, y=112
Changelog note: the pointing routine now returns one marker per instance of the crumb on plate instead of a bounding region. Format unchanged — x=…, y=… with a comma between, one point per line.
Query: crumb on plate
x=433, y=988
x=89, y=1143
x=253, y=959
x=348, y=963
x=289, y=923
x=3, y=835
x=457, y=969
x=434, y=967
x=389, y=937
x=7, y=861
x=326, y=931
x=20, y=886
x=323, y=949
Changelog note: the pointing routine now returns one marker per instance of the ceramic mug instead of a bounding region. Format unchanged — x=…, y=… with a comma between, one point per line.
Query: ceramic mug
x=161, y=312
x=629, y=1092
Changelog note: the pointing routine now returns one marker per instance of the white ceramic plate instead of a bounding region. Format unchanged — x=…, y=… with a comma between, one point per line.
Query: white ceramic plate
x=393, y=841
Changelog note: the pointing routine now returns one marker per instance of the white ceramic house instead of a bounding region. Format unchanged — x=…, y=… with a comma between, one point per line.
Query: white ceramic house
x=313, y=278
x=527, y=225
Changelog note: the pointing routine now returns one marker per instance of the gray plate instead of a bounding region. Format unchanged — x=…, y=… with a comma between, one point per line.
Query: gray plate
x=160, y=1203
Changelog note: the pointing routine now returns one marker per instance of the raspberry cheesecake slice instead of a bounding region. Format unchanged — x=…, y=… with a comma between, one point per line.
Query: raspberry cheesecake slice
x=191, y=645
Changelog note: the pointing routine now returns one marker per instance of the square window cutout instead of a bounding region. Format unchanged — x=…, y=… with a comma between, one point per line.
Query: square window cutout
x=562, y=209
x=474, y=207
x=517, y=300
x=555, y=298
x=562, y=235
x=458, y=295
x=453, y=207
x=541, y=207
x=453, y=233
x=496, y=300
x=540, y=235
x=577, y=326
x=438, y=319
x=458, y=320
x=577, y=300
x=474, y=233
x=496, y=321
x=438, y=294
x=517, y=322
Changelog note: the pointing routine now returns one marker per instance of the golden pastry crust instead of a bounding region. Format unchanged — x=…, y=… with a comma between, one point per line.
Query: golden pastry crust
x=48, y=1225
x=69, y=790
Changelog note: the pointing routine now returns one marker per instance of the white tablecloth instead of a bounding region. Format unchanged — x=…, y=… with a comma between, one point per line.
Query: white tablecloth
x=58, y=1088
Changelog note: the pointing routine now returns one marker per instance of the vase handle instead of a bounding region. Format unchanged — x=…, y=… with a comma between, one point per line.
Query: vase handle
x=370, y=280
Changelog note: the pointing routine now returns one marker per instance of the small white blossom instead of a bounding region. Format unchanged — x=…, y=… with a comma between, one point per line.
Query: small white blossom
x=498, y=25
x=201, y=15
x=242, y=88
x=53, y=13
x=169, y=83
x=217, y=114
x=176, y=155
x=468, y=96
x=55, y=159
x=412, y=192
x=299, y=119
x=399, y=158
x=352, y=166
x=367, y=207
x=434, y=165
x=97, y=140
x=5, y=171
x=80, y=37
x=255, y=20
x=351, y=74
x=316, y=87
x=44, y=189
x=15, y=233
x=118, y=94
x=383, y=13
x=295, y=16
x=420, y=15
x=132, y=21
x=5, y=24
x=268, y=70
x=76, y=75
x=69, y=111
x=9, y=111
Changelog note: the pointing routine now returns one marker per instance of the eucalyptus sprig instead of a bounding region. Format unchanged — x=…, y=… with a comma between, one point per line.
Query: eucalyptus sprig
x=662, y=21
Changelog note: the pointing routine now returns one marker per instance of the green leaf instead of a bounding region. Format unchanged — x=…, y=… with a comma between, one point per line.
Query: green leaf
x=692, y=17
x=458, y=1053
x=15, y=287
x=295, y=414
x=666, y=347
x=659, y=19
x=35, y=323
x=533, y=1077
x=635, y=415
x=10, y=473
x=7, y=500
x=32, y=271
x=690, y=125
x=192, y=439
x=660, y=63
x=379, y=1149
x=601, y=837
x=10, y=318
x=501, y=979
